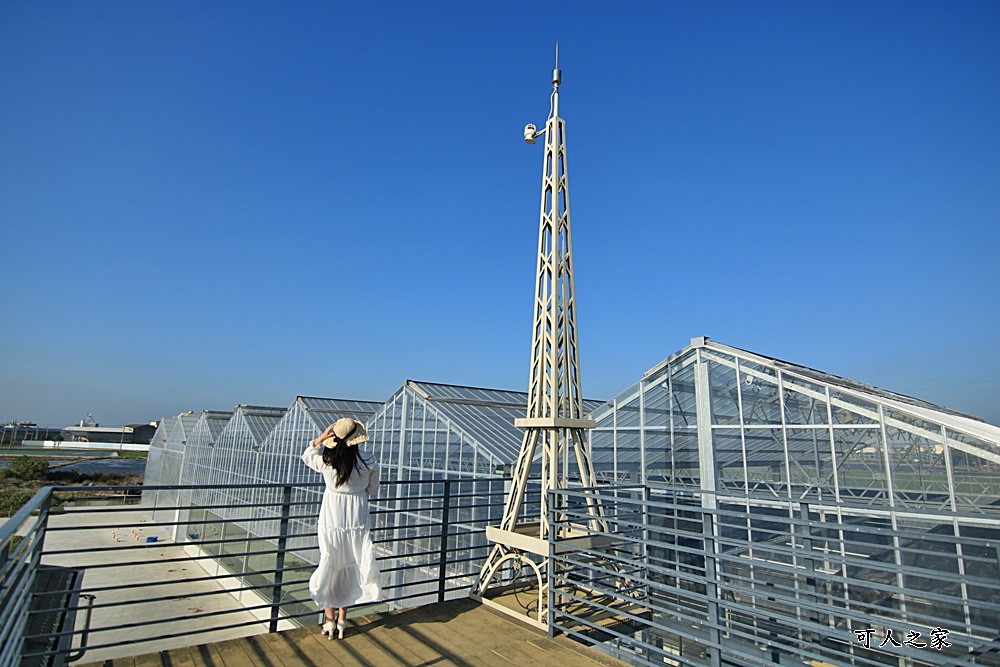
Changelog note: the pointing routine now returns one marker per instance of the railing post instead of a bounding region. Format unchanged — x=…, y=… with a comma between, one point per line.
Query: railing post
x=34, y=557
x=279, y=565
x=445, y=520
x=550, y=569
x=709, y=552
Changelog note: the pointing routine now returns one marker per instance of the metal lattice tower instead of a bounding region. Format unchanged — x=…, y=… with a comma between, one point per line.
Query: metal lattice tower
x=554, y=420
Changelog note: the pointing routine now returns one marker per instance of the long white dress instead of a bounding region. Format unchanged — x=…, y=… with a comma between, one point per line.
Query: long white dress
x=347, y=574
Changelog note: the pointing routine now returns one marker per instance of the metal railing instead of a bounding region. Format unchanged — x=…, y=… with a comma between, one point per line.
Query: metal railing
x=686, y=577
x=669, y=576
x=182, y=574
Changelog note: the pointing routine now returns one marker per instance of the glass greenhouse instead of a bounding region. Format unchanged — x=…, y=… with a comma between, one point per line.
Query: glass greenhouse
x=154, y=458
x=196, y=468
x=428, y=432
x=165, y=459
x=253, y=445
x=804, y=507
x=717, y=418
x=279, y=458
x=808, y=509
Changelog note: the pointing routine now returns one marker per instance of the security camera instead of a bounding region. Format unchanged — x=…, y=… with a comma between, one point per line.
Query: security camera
x=529, y=133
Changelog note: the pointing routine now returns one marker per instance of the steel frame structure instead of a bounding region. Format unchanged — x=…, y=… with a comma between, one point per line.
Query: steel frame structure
x=714, y=417
x=746, y=440
x=768, y=581
x=555, y=421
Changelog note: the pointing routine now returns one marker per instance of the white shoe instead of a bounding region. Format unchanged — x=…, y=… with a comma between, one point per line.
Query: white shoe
x=328, y=629
x=341, y=626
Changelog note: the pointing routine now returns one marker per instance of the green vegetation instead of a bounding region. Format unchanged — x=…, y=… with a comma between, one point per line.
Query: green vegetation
x=12, y=498
x=26, y=475
x=26, y=469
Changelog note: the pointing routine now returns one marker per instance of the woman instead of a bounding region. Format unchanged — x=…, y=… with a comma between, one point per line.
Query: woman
x=347, y=574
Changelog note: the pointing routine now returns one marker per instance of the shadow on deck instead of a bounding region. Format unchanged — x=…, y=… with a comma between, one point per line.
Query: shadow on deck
x=459, y=632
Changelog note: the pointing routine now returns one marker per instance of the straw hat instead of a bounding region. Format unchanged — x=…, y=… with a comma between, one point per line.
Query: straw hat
x=346, y=429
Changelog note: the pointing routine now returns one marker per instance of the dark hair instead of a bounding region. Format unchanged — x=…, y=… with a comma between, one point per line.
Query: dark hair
x=344, y=460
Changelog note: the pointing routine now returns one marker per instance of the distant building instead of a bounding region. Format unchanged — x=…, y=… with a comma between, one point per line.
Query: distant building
x=90, y=431
x=142, y=433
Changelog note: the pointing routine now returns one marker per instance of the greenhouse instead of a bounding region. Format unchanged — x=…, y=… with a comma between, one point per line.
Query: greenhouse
x=166, y=456
x=234, y=458
x=715, y=417
x=198, y=452
x=255, y=445
x=750, y=504
x=430, y=432
x=808, y=510
x=154, y=458
x=279, y=459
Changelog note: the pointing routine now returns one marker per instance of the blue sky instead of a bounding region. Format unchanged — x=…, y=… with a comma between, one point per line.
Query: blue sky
x=205, y=204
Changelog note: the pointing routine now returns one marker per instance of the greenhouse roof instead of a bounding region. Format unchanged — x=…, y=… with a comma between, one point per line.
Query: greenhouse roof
x=952, y=419
x=322, y=411
x=260, y=419
x=162, y=431
x=337, y=404
x=215, y=421
x=183, y=424
x=485, y=415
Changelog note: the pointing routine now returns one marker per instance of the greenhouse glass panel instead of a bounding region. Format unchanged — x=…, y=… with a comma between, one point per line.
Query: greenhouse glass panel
x=759, y=392
x=804, y=401
x=915, y=451
x=173, y=457
x=729, y=459
x=809, y=454
x=765, y=454
x=935, y=568
x=628, y=445
x=659, y=459
x=849, y=409
x=198, y=453
x=684, y=405
x=686, y=461
x=603, y=453
x=859, y=466
x=628, y=412
x=976, y=470
x=239, y=446
x=725, y=394
x=154, y=460
x=656, y=404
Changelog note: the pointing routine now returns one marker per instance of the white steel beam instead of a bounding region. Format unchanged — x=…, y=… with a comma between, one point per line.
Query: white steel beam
x=555, y=419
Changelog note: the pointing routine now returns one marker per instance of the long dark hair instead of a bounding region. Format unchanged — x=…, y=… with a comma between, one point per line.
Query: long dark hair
x=344, y=460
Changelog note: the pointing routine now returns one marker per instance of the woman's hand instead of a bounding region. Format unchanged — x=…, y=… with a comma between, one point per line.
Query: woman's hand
x=326, y=434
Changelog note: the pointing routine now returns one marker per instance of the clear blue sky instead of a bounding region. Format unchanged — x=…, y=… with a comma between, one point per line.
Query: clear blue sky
x=205, y=204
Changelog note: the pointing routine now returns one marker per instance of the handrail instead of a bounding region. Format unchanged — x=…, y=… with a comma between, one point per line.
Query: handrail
x=11, y=525
x=429, y=546
x=674, y=579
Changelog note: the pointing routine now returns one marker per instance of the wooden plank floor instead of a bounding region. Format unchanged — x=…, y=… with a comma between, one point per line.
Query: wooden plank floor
x=459, y=632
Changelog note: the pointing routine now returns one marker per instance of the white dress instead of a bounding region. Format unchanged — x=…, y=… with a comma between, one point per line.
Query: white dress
x=347, y=574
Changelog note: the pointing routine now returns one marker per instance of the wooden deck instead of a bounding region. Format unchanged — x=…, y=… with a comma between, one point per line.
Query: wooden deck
x=460, y=632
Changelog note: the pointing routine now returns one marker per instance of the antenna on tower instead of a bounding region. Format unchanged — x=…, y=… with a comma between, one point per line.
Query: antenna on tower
x=554, y=424
x=557, y=73
x=530, y=131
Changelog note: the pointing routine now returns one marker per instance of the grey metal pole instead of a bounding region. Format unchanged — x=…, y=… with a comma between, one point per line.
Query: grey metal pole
x=443, y=560
x=279, y=565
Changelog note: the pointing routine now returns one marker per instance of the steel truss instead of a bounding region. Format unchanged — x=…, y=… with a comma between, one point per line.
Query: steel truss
x=555, y=421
